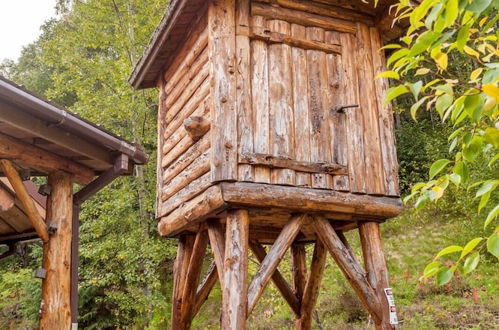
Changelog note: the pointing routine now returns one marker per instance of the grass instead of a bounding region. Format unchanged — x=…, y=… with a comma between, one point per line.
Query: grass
x=411, y=241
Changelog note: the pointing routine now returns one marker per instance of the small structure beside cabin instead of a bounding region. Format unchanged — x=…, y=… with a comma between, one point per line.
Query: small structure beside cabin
x=272, y=129
x=40, y=139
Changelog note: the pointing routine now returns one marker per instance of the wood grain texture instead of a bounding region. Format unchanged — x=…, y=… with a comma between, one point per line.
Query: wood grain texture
x=205, y=288
x=26, y=201
x=55, y=310
x=222, y=43
x=184, y=252
x=271, y=261
x=299, y=259
x=235, y=280
x=217, y=242
x=312, y=287
x=278, y=280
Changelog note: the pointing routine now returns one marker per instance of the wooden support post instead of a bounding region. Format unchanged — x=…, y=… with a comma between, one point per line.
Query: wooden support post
x=349, y=266
x=271, y=261
x=377, y=272
x=217, y=243
x=27, y=202
x=299, y=269
x=235, y=279
x=278, y=279
x=192, y=276
x=180, y=267
x=311, y=291
x=56, y=287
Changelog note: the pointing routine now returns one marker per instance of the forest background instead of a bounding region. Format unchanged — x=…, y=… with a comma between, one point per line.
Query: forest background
x=82, y=61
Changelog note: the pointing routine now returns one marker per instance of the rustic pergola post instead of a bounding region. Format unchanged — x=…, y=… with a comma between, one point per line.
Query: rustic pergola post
x=55, y=306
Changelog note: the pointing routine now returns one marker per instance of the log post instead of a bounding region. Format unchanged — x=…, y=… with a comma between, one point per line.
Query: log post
x=56, y=297
x=184, y=252
x=235, y=279
x=312, y=287
x=377, y=272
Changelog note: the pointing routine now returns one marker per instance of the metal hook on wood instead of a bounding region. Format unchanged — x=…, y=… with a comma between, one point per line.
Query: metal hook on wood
x=342, y=108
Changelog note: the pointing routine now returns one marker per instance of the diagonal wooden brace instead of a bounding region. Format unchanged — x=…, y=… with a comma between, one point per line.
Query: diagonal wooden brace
x=26, y=200
x=271, y=261
x=349, y=266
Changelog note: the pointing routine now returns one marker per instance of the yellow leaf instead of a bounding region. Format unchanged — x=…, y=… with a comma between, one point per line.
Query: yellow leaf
x=470, y=51
x=422, y=71
x=442, y=60
x=483, y=20
x=481, y=48
x=439, y=192
x=475, y=74
x=491, y=90
x=489, y=103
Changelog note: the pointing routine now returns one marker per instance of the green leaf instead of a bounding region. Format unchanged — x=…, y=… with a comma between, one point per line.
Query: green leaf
x=431, y=269
x=478, y=6
x=451, y=12
x=462, y=170
x=462, y=37
x=438, y=166
x=483, y=201
x=491, y=216
x=389, y=74
x=448, y=250
x=470, y=263
x=455, y=178
x=395, y=92
x=430, y=18
x=415, y=88
x=493, y=244
x=471, y=151
x=424, y=42
x=444, y=276
x=492, y=136
x=443, y=102
x=486, y=187
x=391, y=46
x=470, y=246
x=397, y=55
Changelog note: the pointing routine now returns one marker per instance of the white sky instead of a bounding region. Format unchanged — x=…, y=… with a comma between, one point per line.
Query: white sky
x=20, y=22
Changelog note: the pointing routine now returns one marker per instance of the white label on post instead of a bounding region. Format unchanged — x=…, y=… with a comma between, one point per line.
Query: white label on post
x=391, y=306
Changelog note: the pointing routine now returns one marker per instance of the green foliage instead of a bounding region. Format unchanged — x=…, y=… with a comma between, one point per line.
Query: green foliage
x=465, y=97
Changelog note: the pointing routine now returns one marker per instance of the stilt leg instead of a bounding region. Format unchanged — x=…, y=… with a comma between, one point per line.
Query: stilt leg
x=184, y=253
x=377, y=272
x=235, y=277
x=311, y=290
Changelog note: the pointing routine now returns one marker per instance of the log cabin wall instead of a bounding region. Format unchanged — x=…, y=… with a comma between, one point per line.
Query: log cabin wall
x=298, y=63
x=184, y=160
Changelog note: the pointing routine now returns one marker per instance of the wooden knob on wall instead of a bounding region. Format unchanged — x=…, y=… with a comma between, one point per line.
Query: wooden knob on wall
x=196, y=127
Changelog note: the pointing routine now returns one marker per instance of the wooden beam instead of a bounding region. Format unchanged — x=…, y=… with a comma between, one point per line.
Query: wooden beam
x=30, y=124
x=196, y=127
x=279, y=281
x=6, y=200
x=27, y=202
x=287, y=163
x=271, y=261
x=55, y=311
x=375, y=263
x=303, y=199
x=42, y=160
x=204, y=289
x=192, y=276
x=312, y=287
x=180, y=267
x=349, y=266
x=299, y=269
x=235, y=280
x=217, y=242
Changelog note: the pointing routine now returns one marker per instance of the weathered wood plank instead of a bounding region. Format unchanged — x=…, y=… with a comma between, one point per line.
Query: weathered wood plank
x=55, y=311
x=312, y=287
x=260, y=99
x=217, y=242
x=42, y=160
x=388, y=149
x=278, y=280
x=245, y=115
x=369, y=110
x=184, y=252
x=271, y=261
x=222, y=43
x=302, y=18
x=349, y=266
x=204, y=289
x=235, y=280
x=291, y=164
x=26, y=201
x=281, y=103
x=354, y=122
x=299, y=259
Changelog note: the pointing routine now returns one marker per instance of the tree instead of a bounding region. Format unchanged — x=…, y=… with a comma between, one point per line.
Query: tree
x=428, y=66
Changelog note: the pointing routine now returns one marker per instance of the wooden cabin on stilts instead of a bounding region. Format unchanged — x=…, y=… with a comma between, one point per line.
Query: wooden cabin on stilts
x=272, y=130
x=40, y=139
